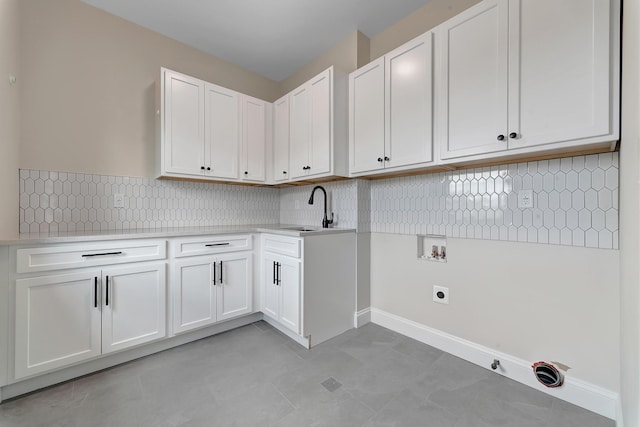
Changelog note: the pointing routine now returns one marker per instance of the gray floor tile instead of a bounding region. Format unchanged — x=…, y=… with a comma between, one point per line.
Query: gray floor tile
x=255, y=376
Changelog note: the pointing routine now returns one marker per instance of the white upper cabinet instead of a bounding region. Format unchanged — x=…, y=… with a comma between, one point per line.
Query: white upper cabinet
x=222, y=132
x=182, y=119
x=210, y=132
x=560, y=71
x=281, y=140
x=366, y=118
x=527, y=76
x=391, y=110
x=254, y=139
x=318, y=131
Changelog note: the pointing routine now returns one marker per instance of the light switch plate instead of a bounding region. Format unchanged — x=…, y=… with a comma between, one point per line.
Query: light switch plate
x=118, y=200
x=525, y=199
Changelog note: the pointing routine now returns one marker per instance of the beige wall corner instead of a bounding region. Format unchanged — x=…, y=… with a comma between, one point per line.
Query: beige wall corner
x=342, y=55
x=629, y=216
x=428, y=16
x=364, y=50
x=88, y=90
x=9, y=118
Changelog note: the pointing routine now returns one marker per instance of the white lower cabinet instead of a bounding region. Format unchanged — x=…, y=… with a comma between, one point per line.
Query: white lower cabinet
x=209, y=289
x=281, y=297
x=62, y=319
x=308, y=285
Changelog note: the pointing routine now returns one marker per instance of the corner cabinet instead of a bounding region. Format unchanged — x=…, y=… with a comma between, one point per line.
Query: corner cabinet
x=318, y=127
x=209, y=132
x=65, y=318
x=546, y=82
x=391, y=110
x=281, y=140
x=308, y=286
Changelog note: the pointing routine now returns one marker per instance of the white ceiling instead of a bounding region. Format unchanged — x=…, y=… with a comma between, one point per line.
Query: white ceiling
x=274, y=38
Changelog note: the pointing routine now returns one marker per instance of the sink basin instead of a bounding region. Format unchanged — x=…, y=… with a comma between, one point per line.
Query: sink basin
x=301, y=228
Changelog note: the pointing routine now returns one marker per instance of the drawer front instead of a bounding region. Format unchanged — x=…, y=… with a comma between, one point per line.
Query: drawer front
x=78, y=255
x=204, y=245
x=282, y=245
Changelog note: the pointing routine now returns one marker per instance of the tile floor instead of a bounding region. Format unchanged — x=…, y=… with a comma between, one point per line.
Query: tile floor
x=254, y=376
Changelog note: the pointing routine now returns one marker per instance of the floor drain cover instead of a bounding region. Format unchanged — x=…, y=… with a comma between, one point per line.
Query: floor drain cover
x=331, y=384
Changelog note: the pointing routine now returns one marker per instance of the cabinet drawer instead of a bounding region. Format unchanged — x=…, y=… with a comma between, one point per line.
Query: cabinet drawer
x=282, y=245
x=78, y=255
x=204, y=245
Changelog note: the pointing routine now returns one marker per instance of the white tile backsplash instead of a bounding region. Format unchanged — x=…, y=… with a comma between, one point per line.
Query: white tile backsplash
x=60, y=202
x=575, y=203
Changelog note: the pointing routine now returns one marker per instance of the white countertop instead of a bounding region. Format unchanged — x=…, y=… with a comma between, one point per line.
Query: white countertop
x=95, y=235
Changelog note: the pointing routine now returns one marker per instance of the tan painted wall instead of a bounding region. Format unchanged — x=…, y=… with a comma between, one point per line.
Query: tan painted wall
x=428, y=16
x=88, y=87
x=342, y=55
x=629, y=216
x=9, y=118
x=532, y=301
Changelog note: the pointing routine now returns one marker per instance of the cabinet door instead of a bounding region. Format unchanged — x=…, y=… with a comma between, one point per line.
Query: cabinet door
x=270, y=287
x=254, y=139
x=183, y=133
x=222, y=132
x=366, y=118
x=234, y=289
x=194, y=293
x=57, y=321
x=409, y=94
x=472, y=80
x=559, y=71
x=281, y=139
x=134, y=306
x=289, y=283
x=300, y=132
x=321, y=103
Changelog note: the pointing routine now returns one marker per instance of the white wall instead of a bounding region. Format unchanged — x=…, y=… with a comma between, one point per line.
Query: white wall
x=532, y=301
x=9, y=118
x=629, y=215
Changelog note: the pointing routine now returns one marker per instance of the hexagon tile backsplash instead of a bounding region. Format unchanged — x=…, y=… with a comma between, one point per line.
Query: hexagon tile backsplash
x=575, y=203
x=61, y=202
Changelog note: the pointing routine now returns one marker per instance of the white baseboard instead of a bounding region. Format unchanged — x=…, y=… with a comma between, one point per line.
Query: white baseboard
x=362, y=317
x=578, y=392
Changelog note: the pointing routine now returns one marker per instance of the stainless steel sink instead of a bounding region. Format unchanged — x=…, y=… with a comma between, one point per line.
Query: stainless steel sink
x=301, y=228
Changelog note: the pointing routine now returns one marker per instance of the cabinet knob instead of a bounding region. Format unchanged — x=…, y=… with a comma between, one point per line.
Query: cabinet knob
x=208, y=168
x=500, y=137
x=284, y=172
x=246, y=172
x=202, y=167
x=513, y=135
x=386, y=159
x=380, y=159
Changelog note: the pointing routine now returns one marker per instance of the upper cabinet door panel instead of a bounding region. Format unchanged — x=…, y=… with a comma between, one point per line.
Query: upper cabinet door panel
x=184, y=124
x=254, y=139
x=409, y=91
x=560, y=70
x=281, y=139
x=473, y=79
x=300, y=131
x=222, y=131
x=321, y=124
x=366, y=124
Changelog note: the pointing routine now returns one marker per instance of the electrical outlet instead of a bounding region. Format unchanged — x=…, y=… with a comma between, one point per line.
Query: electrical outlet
x=441, y=294
x=525, y=199
x=118, y=200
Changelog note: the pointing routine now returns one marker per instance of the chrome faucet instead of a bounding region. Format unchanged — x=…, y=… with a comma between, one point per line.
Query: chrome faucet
x=325, y=220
